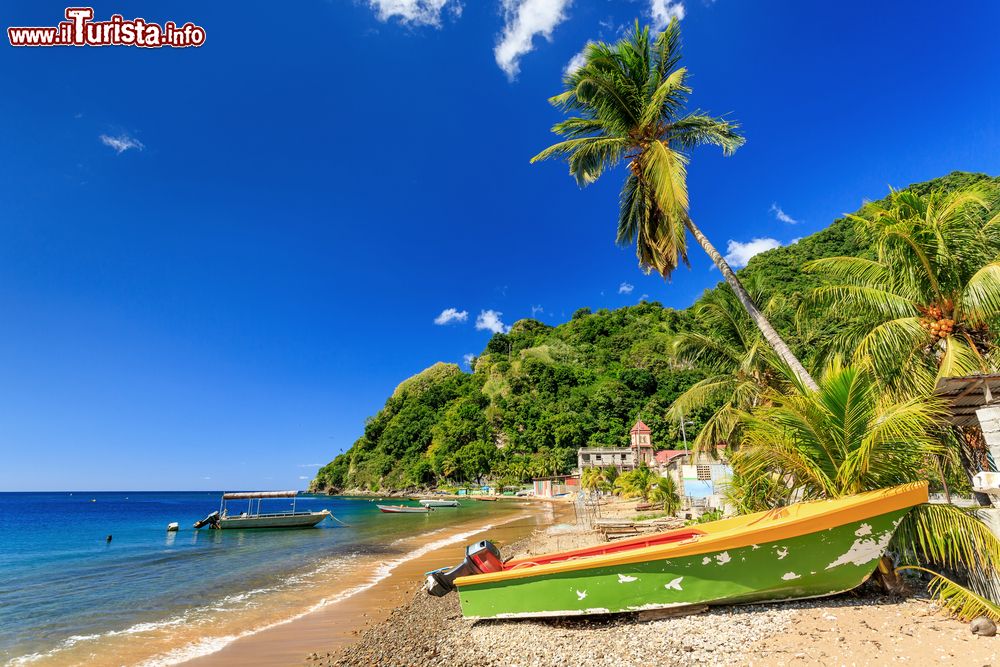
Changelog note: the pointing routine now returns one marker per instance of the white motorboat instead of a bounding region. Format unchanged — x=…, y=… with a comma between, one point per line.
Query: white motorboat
x=254, y=518
x=402, y=509
x=430, y=502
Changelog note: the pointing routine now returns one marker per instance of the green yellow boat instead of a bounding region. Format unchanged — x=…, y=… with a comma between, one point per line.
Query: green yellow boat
x=804, y=550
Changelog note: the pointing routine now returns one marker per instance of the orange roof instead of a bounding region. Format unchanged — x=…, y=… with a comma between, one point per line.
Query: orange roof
x=668, y=455
x=640, y=428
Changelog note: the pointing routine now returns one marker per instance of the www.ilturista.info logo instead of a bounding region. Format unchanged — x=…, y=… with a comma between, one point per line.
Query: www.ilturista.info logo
x=79, y=29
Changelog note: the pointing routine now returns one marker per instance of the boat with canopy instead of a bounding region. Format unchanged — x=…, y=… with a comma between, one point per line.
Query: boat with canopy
x=253, y=517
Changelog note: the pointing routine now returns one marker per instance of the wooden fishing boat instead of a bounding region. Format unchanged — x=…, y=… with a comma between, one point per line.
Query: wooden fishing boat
x=804, y=550
x=254, y=518
x=403, y=509
x=485, y=499
x=429, y=502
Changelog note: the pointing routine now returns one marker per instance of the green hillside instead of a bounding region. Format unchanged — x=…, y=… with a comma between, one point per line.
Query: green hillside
x=539, y=392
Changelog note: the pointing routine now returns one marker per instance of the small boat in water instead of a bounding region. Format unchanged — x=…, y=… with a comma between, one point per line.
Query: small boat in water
x=429, y=502
x=254, y=518
x=810, y=549
x=403, y=509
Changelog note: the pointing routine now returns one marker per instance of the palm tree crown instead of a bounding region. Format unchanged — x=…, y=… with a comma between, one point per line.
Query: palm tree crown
x=630, y=99
x=628, y=104
x=927, y=305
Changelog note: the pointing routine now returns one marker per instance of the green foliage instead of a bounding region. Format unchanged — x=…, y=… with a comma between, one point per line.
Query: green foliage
x=539, y=392
x=842, y=440
x=708, y=517
x=927, y=305
x=638, y=483
x=959, y=601
x=951, y=538
x=665, y=493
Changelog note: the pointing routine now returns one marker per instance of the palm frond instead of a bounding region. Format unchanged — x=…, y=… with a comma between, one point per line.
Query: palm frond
x=876, y=302
x=698, y=129
x=666, y=171
x=957, y=600
x=959, y=358
x=949, y=537
x=850, y=271
x=980, y=301
x=667, y=98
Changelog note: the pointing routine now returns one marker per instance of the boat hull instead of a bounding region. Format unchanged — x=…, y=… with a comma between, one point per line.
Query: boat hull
x=813, y=556
x=399, y=509
x=439, y=503
x=298, y=520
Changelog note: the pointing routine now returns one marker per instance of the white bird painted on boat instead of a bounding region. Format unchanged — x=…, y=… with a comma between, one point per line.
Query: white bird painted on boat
x=674, y=584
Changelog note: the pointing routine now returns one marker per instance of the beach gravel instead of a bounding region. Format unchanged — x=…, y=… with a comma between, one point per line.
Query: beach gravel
x=861, y=628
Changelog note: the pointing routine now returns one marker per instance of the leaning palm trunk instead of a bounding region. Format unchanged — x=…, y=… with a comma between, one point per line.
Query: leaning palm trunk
x=773, y=338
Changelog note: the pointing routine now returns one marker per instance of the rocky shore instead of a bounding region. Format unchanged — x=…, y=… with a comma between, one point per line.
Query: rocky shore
x=860, y=628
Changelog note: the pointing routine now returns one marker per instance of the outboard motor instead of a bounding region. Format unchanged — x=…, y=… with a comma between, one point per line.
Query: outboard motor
x=212, y=520
x=480, y=558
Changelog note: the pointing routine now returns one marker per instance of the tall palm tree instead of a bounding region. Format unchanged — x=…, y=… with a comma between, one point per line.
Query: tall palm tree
x=928, y=305
x=740, y=363
x=848, y=438
x=629, y=100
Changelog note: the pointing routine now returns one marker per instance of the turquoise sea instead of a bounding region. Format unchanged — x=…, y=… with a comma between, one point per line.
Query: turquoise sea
x=67, y=596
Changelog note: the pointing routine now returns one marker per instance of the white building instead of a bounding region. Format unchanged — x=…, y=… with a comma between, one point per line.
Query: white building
x=639, y=451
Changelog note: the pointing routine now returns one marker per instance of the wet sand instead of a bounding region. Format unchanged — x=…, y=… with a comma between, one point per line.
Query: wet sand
x=336, y=625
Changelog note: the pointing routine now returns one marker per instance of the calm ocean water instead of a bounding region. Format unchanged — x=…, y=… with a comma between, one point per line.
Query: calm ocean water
x=62, y=585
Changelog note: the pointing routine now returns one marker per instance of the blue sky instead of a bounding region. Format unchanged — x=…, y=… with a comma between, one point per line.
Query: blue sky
x=216, y=262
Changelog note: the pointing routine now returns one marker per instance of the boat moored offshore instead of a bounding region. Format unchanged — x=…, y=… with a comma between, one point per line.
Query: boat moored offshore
x=433, y=502
x=402, y=509
x=254, y=518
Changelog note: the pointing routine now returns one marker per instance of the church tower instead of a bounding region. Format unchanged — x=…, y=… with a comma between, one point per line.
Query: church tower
x=641, y=444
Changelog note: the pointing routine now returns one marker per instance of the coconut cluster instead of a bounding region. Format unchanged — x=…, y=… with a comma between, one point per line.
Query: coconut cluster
x=936, y=324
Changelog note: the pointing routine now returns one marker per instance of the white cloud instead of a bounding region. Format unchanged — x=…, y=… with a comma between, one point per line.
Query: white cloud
x=781, y=215
x=738, y=254
x=303, y=477
x=310, y=465
x=449, y=315
x=663, y=11
x=537, y=310
x=121, y=143
x=415, y=12
x=489, y=320
x=795, y=240
x=576, y=62
x=643, y=297
x=523, y=20
x=468, y=358
x=625, y=288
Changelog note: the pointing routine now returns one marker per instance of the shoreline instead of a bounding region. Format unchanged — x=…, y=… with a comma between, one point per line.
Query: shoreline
x=335, y=625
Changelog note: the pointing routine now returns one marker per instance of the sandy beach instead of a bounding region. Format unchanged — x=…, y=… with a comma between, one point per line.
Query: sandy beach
x=859, y=628
x=334, y=626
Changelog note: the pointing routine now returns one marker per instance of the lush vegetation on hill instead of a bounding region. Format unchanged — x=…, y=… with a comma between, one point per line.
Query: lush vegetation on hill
x=539, y=392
